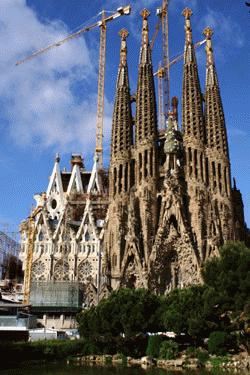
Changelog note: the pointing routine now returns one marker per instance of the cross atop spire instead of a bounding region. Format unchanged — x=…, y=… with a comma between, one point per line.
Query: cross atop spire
x=145, y=13
x=187, y=13
x=123, y=34
x=208, y=32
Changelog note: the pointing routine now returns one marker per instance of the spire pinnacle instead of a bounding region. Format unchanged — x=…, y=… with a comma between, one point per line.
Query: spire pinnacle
x=192, y=106
x=187, y=13
x=57, y=158
x=123, y=52
x=145, y=14
x=174, y=104
x=234, y=187
x=208, y=32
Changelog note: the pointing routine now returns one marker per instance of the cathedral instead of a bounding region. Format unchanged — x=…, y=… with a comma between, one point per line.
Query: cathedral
x=166, y=204
x=171, y=204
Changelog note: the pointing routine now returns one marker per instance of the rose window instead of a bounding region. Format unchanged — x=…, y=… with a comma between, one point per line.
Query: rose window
x=84, y=270
x=61, y=271
x=38, y=270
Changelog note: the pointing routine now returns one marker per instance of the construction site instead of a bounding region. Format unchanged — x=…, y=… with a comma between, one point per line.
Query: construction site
x=165, y=205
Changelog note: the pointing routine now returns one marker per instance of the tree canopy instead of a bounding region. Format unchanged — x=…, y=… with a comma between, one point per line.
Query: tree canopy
x=126, y=311
x=222, y=304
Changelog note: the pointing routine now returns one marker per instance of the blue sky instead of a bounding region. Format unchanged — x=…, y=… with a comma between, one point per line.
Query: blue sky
x=48, y=105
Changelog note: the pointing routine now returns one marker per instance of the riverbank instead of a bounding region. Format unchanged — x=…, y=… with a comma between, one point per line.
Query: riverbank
x=237, y=362
x=80, y=352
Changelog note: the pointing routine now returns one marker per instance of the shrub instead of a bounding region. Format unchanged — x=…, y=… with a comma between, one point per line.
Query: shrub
x=202, y=356
x=191, y=351
x=217, y=342
x=168, y=349
x=123, y=358
x=218, y=361
x=153, y=348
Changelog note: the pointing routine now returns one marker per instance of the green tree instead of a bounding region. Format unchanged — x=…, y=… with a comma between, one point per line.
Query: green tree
x=169, y=349
x=126, y=311
x=217, y=343
x=229, y=276
x=184, y=312
x=153, y=348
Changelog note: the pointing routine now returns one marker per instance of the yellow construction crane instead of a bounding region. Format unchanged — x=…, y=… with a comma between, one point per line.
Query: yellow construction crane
x=164, y=79
x=163, y=72
x=101, y=75
x=29, y=257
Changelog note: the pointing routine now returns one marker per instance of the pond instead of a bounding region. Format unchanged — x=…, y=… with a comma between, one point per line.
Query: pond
x=71, y=369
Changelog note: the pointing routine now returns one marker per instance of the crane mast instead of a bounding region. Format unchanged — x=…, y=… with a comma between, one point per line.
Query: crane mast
x=163, y=72
x=165, y=49
x=100, y=95
x=29, y=258
x=163, y=77
x=101, y=74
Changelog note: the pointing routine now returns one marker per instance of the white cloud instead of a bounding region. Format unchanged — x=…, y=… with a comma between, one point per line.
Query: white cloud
x=228, y=33
x=236, y=132
x=48, y=101
x=178, y=5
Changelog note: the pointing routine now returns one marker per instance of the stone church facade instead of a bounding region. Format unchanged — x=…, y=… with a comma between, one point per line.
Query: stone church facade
x=68, y=233
x=166, y=204
x=171, y=201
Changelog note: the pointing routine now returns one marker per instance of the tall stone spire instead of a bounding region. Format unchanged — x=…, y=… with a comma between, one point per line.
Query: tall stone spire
x=119, y=172
x=193, y=137
x=217, y=156
x=122, y=117
x=145, y=148
x=214, y=114
x=192, y=114
x=146, y=121
x=121, y=125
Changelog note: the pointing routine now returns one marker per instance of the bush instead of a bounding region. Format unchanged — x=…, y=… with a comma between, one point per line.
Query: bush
x=202, y=356
x=169, y=349
x=191, y=351
x=153, y=348
x=133, y=312
x=218, y=361
x=41, y=350
x=217, y=343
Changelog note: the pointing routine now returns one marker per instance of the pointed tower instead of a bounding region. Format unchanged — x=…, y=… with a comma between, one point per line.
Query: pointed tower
x=238, y=210
x=193, y=137
x=217, y=156
x=192, y=114
x=121, y=127
x=120, y=170
x=145, y=150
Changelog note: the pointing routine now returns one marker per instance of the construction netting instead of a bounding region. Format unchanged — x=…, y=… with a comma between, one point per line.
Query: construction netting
x=55, y=294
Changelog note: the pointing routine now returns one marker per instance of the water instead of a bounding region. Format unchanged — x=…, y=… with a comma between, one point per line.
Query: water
x=63, y=369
